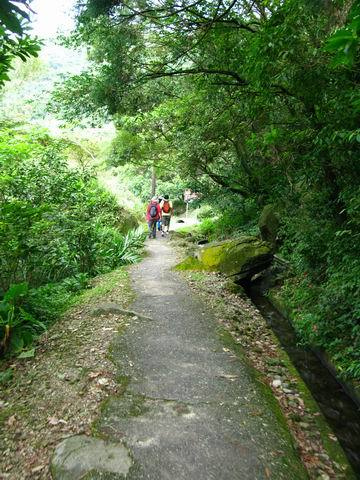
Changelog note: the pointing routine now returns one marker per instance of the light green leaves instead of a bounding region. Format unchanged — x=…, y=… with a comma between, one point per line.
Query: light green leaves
x=345, y=41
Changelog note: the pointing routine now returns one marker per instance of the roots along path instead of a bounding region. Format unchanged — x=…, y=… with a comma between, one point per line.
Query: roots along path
x=191, y=409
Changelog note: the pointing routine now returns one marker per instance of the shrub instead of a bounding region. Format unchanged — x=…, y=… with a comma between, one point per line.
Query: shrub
x=116, y=249
x=18, y=327
x=58, y=227
x=323, y=294
x=204, y=212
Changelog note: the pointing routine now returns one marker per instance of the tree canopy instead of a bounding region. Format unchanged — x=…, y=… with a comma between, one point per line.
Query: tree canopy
x=250, y=102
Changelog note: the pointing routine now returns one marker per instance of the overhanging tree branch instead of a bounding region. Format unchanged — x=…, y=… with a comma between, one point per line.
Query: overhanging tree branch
x=197, y=71
x=223, y=181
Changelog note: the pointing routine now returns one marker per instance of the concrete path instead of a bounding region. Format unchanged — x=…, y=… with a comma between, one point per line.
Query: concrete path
x=191, y=408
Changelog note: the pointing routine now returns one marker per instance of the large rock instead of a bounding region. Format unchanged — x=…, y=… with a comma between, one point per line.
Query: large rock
x=77, y=456
x=238, y=259
x=126, y=220
x=269, y=225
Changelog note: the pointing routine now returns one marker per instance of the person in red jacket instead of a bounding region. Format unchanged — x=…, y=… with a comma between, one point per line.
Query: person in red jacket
x=153, y=214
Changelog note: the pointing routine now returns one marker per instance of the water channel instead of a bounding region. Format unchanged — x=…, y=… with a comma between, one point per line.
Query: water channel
x=339, y=408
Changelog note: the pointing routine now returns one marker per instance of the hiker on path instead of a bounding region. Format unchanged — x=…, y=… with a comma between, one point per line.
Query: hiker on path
x=166, y=211
x=159, y=222
x=153, y=214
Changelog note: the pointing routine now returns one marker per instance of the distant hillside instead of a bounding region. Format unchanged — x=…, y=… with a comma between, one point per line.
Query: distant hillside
x=26, y=96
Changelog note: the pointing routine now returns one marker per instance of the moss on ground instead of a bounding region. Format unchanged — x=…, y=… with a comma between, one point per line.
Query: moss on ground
x=123, y=382
x=8, y=412
x=190, y=263
x=105, y=284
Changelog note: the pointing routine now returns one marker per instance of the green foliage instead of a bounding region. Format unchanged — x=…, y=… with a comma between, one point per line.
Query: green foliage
x=49, y=301
x=324, y=293
x=14, y=41
x=207, y=228
x=241, y=102
x=228, y=217
x=58, y=227
x=137, y=179
x=53, y=217
x=18, y=327
x=120, y=249
x=345, y=41
x=6, y=376
x=205, y=211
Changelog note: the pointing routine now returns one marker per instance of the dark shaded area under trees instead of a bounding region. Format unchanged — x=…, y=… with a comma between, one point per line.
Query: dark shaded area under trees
x=253, y=103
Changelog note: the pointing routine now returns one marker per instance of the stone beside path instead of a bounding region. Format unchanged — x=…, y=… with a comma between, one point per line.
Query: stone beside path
x=76, y=456
x=189, y=407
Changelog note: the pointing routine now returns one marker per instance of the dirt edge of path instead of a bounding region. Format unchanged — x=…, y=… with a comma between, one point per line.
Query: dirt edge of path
x=59, y=393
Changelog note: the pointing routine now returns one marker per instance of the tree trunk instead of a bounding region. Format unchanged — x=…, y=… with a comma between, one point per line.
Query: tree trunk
x=153, y=182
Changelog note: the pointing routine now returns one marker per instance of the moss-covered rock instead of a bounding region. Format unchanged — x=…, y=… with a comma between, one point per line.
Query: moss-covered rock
x=269, y=224
x=127, y=221
x=190, y=263
x=238, y=258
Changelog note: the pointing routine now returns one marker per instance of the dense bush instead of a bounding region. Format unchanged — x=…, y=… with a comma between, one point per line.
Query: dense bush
x=205, y=211
x=323, y=292
x=17, y=326
x=57, y=228
x=228, y=217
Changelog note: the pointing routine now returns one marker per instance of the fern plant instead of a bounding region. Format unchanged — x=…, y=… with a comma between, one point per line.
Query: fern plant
x=132, y=245
x=17, y=326
x=115, y=249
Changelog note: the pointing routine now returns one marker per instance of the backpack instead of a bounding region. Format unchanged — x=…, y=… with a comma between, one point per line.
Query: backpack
x=166, y=206
x=153, y=211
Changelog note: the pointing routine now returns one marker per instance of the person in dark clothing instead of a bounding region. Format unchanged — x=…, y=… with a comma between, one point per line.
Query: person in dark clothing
x=159, y=222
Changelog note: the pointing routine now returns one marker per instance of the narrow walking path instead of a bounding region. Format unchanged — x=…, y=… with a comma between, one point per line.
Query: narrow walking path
x=191, y=408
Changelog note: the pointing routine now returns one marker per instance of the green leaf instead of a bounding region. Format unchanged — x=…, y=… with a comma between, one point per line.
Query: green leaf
x=20, y=12
x=15, y=292
x=11, y=21
x=27, y=354
x=16, y=341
